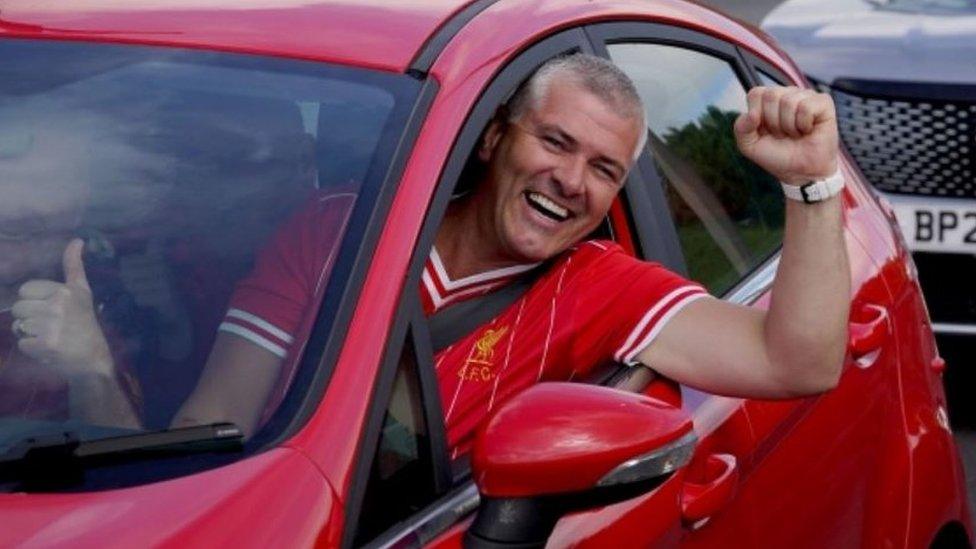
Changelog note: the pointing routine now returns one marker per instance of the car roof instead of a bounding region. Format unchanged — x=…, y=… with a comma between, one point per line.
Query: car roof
x=381, y=34
x=390, y=35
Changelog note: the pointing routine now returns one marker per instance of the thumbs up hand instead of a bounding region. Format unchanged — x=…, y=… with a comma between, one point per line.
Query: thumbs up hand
x=55, y=322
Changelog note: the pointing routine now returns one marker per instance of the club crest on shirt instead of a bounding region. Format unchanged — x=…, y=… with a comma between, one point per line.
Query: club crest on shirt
x=479, y=365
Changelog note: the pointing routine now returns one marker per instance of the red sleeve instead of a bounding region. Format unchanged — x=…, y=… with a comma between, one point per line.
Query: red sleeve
x=623, y=303
x=270, y=306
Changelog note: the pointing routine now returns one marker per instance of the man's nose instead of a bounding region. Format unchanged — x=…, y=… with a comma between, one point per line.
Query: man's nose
x=570, y=175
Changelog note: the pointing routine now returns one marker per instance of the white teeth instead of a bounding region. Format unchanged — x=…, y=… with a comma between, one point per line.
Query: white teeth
x=541, y=201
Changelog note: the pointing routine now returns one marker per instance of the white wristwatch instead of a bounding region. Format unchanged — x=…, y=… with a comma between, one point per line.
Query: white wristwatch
x=815, y=191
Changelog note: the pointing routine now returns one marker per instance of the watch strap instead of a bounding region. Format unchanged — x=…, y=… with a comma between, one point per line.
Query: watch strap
x=815, y=191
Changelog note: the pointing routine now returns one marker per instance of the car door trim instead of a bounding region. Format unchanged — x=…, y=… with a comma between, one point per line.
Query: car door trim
x=756, y=284
x=425, y=526
x=756, y=64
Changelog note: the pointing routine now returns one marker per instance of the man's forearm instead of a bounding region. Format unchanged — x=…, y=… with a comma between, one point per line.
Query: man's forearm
x=806, y=325
x=99, y=399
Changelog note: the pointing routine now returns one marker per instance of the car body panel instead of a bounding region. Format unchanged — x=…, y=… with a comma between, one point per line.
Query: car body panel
x=372, y=34
x=814, y=443
x=227, y=506
x=927, y=432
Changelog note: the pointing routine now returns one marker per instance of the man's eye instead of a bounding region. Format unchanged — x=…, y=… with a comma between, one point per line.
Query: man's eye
x=606, y=173
x=553, y=143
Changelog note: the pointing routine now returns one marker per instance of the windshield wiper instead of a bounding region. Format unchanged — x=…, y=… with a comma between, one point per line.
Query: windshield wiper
x=61, y=459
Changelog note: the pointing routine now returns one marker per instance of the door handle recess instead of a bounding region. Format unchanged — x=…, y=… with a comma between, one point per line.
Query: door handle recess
x=866, y=337
x=700, y=500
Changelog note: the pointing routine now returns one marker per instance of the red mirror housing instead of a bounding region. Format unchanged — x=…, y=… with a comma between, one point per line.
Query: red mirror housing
x=568, y=437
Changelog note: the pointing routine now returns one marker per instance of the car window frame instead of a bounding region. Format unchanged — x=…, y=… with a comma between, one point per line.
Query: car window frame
x=750, y=286
x=756, y=64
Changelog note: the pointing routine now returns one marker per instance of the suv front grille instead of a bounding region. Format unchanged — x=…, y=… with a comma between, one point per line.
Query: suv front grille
x=910, y=138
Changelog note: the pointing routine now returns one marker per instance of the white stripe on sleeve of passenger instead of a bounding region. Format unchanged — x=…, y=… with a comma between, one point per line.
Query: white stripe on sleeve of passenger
x=260, y=323
x=629, y=358
x=254, y=338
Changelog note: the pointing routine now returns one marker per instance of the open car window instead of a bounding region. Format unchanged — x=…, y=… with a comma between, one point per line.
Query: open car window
x=728, y=213
x=178, y=170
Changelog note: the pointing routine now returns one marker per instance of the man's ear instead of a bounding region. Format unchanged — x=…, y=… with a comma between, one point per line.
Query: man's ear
x=493, y=134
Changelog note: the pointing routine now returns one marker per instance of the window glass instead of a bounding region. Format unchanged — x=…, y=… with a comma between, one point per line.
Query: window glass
x=401, y=480
x=767, y=80
x=175, y=172
x=728, y=212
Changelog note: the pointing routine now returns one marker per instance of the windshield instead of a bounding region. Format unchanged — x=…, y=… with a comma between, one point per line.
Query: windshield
x=140, y=189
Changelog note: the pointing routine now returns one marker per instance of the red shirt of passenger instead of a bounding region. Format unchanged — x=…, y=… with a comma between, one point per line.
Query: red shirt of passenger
x=593, y=304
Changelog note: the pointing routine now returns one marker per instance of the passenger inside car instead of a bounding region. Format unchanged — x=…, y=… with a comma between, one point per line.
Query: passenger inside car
x=222, y=203
x=55, y=357
x=168, y=196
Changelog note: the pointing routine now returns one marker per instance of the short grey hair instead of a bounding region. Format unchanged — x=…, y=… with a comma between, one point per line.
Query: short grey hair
x=597, y=75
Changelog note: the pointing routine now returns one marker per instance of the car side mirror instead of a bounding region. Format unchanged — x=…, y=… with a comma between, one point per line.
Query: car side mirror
x=563, y=447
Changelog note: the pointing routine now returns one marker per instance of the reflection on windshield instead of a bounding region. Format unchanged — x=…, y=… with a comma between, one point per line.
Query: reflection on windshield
x=137, y=187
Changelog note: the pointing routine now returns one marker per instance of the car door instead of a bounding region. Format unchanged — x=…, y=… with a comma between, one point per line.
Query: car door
x=729, y=219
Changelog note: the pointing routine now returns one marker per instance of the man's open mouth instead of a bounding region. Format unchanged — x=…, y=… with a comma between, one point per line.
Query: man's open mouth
x=546, y=207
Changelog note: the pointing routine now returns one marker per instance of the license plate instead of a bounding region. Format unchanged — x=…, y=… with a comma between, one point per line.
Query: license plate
x=937, y=224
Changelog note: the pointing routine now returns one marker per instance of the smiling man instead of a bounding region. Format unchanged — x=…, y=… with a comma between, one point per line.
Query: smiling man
x=554, y=161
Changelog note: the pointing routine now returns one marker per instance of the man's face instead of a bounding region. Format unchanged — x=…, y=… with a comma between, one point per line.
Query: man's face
x=554, y=172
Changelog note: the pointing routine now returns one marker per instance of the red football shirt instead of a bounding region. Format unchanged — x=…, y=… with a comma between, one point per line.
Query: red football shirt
x=593, y=305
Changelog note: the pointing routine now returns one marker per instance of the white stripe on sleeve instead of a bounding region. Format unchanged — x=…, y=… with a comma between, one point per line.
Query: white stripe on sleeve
x=260, y=323
x=648, y=316
x=629, y=358
x=254, y=338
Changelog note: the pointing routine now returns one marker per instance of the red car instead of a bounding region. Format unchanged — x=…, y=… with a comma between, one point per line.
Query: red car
x=174, y=137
